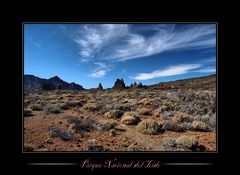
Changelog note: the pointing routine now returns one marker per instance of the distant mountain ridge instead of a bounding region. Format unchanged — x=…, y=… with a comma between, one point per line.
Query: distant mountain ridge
x=32, y=83
x=197, y=82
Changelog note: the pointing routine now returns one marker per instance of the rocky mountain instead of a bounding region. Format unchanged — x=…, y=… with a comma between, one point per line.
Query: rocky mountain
x=32, y=82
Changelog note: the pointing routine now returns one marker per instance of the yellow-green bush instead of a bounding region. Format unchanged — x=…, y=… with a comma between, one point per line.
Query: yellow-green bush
x=148, y=126
x=130, y=118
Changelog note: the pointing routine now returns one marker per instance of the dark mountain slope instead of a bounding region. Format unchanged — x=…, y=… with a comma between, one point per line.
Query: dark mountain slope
x=32, y=82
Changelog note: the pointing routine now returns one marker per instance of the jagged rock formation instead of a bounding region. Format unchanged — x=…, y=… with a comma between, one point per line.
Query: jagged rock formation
x=100, y=88
x=119, y=84
x=135, y=85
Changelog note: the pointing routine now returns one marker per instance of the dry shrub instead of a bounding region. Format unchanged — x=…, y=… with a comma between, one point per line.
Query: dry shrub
x=187, y=142
x=75, y=103
x=63, y=106
x=202, y=118
x=122, y=107
x=161, y=124
x=93, y=145
x=169, y=142
x=148, y=126
x=85, y=125
x=36, y=107
x=134, y=147
x=73, y=120
x=65, y=135
x=107, y=125
x=145, y=111
x=52, y=109
x=186, y=126
x=199, y=126
x=105, y=109
x=156, y=102
x=157, y=112
x=182, y=118
x=130, y=118
x=114, y=114
x=144, y=101
x=130, y=101
x=90, y=107
x=27, y=113
x=167, y=115
x=174, y=127
x=27, y=148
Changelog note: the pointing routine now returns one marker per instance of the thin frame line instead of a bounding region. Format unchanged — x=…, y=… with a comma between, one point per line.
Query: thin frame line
x=186, y=163
x=52, y=163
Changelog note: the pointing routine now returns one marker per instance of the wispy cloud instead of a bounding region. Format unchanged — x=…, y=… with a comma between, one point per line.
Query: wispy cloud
x=100, y=70
x=169, y=71
x=92, y=39
x=120, y=42
x=98, y=74
x=101, y=65
x=206, y=70
x=195, y=37
x=207, y=60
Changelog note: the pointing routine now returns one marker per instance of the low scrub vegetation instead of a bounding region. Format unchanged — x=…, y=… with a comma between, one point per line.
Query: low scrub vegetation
x=36, y=107
x=27, y=113
x=126, y=119
x=28, y=148
x=199, y=126
x=148, y=126
x=86, y=124
x=130, y=118
x=114, y=114
x=93, y=145
x=53, y=109
x=65, y=135
x=174, y=127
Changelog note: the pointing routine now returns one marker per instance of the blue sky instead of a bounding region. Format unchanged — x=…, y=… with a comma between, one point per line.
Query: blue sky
x=89, y=54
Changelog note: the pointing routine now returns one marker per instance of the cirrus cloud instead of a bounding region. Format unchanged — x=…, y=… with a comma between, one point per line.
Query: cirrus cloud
x=169, y=71
x=92, y=38
x=100, y=70
x=206, y=70
x=98, y=74
x=121, y=42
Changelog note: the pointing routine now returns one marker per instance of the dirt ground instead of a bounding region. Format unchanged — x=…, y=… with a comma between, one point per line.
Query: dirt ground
x=36, y=133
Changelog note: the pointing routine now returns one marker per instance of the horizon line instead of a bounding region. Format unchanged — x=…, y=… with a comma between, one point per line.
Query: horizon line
x=123, y=80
